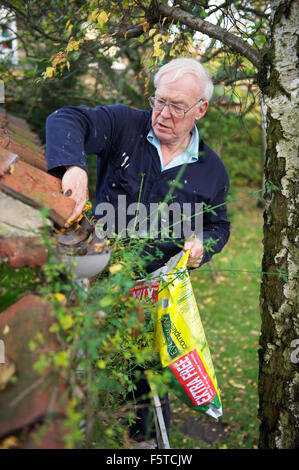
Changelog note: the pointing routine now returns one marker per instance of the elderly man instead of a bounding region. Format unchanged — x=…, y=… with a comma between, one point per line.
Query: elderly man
x=137, y=147
x=139, y=152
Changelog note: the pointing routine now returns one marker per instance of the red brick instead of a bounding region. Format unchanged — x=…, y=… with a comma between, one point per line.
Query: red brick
x=26, y=144
x=33, y=157
x=38, y=188
x=33, y=395
x=47, y=436
x=3, y=119
x=4, y=140
x=16, y=136
x=17, y=121
x=23, y=251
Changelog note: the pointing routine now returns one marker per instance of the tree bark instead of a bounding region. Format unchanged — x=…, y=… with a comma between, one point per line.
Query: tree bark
x=279, y=341
x=279, y=353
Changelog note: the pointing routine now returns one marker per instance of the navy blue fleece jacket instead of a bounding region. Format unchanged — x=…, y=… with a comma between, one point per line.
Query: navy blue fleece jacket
x=126, y=162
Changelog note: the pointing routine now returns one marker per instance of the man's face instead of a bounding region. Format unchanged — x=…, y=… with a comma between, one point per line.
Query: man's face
x=185, y=91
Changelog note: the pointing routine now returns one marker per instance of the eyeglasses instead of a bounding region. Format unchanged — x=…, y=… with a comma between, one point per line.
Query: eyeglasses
x=176, y=110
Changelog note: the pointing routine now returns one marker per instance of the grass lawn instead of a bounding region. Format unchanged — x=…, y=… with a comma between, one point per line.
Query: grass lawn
x=228, y=301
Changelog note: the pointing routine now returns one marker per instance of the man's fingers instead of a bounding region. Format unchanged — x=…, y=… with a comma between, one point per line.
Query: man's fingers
x=76, y=212
x=196, y=252
x=74, y=185
x=187, y=246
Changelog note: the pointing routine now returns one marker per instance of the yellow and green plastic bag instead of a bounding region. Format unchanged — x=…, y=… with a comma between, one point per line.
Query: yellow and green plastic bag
x=180, y=339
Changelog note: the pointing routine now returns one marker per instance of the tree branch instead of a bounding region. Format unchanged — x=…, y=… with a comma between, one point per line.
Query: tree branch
x=234, y=42
x=134, y=31
x=21, y=16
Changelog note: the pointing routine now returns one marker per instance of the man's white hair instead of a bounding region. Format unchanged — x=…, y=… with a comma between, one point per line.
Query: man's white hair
x=185, y=65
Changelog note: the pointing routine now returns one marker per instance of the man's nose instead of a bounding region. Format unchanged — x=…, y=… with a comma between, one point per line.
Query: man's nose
x=165, y=111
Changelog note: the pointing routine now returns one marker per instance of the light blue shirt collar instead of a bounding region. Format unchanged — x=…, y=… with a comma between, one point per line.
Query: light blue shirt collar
x=190, y=155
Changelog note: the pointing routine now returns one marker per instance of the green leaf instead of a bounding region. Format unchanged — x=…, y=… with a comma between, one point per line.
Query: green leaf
x=66, y=322
x=105, y=301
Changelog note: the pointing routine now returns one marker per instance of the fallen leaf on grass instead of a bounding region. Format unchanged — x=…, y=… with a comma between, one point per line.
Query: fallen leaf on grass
x=234, y=384
x=209, y=300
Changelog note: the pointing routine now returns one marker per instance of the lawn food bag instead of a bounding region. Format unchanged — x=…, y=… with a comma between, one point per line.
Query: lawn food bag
x=180, y=338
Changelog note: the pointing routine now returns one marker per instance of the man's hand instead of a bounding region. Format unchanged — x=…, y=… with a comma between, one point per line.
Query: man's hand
x=75, y=185
x=196, y=251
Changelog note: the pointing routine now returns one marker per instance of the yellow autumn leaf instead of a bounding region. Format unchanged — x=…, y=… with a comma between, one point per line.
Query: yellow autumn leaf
x=145, y=26
x=164, y=37
x=60, y=297
x=151, y=32
x=93, y=15
x=58, y=59
x=69, y=26
x=72, y=45
x=101, y=364
x=87, y=206
x=115, y=268
x=49, y=72
x=157, y=50
x=102, y=18
x=161, y=55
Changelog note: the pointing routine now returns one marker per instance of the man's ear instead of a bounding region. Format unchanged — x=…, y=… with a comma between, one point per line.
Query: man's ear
x=202, y=109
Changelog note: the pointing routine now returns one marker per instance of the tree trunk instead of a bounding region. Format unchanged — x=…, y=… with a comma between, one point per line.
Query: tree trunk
x=279, y=352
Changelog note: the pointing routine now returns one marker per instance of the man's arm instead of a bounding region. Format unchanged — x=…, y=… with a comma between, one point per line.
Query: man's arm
x=72, y=133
